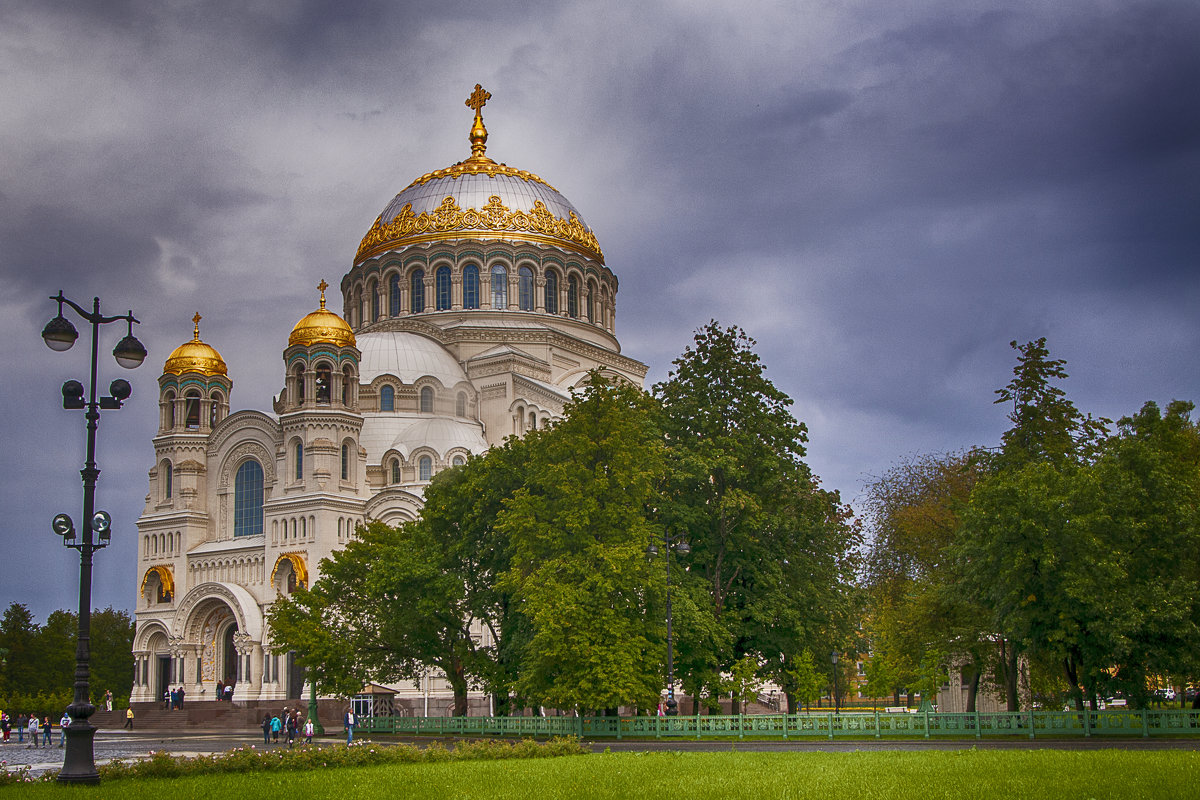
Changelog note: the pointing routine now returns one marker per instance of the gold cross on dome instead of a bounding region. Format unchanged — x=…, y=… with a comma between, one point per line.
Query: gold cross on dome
x=196, y=331
x=322, y=286
x=478, y=99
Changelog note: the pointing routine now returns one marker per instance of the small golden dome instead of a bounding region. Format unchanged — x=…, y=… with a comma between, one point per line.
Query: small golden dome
x=195, y=356
x=322, y=327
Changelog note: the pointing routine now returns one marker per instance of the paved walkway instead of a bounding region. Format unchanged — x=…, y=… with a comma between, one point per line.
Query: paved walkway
x=139, y=744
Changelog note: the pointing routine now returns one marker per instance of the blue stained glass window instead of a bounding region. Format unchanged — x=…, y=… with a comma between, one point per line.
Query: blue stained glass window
x=525, y=289
x=499, y=287
x=299, y=461
x=387, y=399
x=551, y=292
x=471, y=286
x=425, y=468
x=248, y=500
x=394, y=296
x=442, y=294
x=573, y=297
x=418, y=291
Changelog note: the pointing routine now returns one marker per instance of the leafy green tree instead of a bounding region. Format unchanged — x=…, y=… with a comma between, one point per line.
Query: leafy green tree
x=770, y=549
x=55, y=649
x=808, y=682
x=579, y=573
x=18, y=635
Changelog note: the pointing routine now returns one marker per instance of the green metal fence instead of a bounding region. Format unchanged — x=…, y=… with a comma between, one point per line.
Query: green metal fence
x=1031, y=724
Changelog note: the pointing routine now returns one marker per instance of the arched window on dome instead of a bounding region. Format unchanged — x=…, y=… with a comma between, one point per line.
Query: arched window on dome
x=395, y=470
x=298, y=459
x=191, y=416
x=214, y=409
x=551, y=292
x=470, y=286
x=424, y=468
x=590, y=301
x=417, y=291
x=387, y=399
x=532, y=421
x=460, y=405
x=347, y=387
x=373, y=289
x=324, y=383
x=345, y=462
x=458, y=461
x=298, y=378
x=525, y=289
x=426, y=400
x=169, y=409
x=165, y=470
x=499, y=287
x=248, y=499
x=394, y=295
x=442, y=288
x=573, y=297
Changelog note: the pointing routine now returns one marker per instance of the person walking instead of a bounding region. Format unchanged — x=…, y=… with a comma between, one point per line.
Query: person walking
x=350, y=721
x=308, y=731
x=291, y=729
x=181, y=693
x=266, y=728
x=22, y=721
x=108, y=698
x=46, y=727
x=6, y=723
x=33, y=731
x=129, y=717
x=63, y=724
x=275, y=726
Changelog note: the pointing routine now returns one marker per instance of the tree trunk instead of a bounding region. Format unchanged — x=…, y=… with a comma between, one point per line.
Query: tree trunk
x=1008, y=651
x=1071, y=672
x=973, y=690
x=735, y=704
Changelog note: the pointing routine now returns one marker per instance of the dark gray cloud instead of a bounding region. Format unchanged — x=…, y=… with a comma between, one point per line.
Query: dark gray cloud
x=882, y=194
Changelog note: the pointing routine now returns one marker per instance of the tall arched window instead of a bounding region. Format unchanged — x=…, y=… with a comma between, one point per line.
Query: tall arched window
x=460, y=405
x=395, y=470
x=345, y=462
x=442, y=288
x=426, y=400
x=166, y=473
x=525, y=289
x=298, y=459
x=387, y=399
x=573, y=297
x=499, y=287
x=324, y=379
x=214, y=409
x=551, y=292
x=374, y=290
x=298, y=375
x=169, y=402
x=424, y=468
x=248, y=499
x=590, y=301
x=417, y=291
x=394, y=296
x=347, y=386
x=192, y=410
x=470, y=286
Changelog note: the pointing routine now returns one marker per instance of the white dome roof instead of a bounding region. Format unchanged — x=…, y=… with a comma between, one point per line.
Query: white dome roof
x=408, y=356
x=404, y=433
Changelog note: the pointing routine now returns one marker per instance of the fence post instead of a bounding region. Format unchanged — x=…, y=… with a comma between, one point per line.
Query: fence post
x=1087, y=722
x=926, y=721
x=785, y=721
x=1031, y=725
x=618, y=727
x=741, y=725
x=830, y=724
x=1145, y=725
x=978, y=733
x=877, y=723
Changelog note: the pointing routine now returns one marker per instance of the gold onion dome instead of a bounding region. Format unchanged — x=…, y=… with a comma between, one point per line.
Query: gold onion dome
x=479, y=199
x=195, y=356
x=322, y=327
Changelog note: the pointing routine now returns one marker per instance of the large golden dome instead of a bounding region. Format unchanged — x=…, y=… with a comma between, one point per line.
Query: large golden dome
x=195, y=356
x=479, y=199
x=322, y=327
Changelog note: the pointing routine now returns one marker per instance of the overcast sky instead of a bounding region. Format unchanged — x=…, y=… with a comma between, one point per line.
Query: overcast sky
x=882, y=193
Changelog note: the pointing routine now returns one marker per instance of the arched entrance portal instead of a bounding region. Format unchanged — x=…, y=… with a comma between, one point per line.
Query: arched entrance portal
x=218, y=657
x=230, y=660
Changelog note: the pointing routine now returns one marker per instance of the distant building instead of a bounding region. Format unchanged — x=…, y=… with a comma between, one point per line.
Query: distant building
x=475, y=302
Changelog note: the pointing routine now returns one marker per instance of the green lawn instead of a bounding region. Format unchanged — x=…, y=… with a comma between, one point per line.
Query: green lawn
x=1058, y=775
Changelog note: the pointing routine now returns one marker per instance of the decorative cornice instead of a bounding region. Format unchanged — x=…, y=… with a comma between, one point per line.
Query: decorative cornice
x=495, y=219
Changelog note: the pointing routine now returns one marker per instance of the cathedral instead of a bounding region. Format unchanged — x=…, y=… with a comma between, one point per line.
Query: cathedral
x=475, y=302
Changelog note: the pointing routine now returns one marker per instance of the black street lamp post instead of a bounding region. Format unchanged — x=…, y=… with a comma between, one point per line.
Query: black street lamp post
x=837, y=708
x=79, y=763
x=679, y=545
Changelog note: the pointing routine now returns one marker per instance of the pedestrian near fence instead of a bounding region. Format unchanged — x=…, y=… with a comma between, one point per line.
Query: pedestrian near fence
x=33, y=731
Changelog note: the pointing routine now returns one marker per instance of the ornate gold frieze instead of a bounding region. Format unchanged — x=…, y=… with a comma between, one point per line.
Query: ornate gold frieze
x=494, y=218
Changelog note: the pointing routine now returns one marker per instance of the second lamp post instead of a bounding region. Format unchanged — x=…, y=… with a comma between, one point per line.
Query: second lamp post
x=679, y=544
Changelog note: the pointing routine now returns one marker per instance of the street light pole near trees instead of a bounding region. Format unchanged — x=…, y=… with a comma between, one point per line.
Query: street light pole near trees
x=837, y=708
x=79, y=762
x=679, y=544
